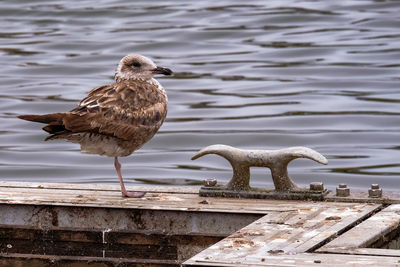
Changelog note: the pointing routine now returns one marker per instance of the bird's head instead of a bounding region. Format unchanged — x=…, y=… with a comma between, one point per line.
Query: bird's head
x=136, y=66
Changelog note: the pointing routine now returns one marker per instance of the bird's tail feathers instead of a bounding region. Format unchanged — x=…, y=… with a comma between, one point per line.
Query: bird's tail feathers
x=54, y=118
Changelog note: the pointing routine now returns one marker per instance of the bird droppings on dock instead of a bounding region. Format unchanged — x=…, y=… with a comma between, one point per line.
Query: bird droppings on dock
x=251, y=232
x=161, y=197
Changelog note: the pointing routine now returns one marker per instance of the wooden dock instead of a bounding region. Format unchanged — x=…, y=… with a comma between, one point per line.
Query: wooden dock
x=43, y=224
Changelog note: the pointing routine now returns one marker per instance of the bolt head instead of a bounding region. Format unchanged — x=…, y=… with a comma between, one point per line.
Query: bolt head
x=375, y=191
x=317, y=186
x=342, y=191
x=374, y=186
x=210, y=182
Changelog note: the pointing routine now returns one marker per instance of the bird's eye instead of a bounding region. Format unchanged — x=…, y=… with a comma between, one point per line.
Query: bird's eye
x=136, y=64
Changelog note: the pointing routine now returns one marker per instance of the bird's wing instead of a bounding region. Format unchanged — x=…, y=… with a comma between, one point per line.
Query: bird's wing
x=120, y=109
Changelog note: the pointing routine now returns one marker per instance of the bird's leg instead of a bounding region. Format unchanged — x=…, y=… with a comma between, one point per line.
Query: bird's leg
x=121, y=182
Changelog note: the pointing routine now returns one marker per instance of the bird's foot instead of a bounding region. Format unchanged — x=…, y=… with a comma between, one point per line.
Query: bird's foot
x=133, y=194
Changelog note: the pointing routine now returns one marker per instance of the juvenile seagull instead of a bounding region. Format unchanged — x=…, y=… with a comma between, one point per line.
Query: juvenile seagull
x=115, y=119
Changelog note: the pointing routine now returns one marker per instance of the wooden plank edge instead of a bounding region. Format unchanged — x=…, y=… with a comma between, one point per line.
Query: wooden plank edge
x=102, y=187
x=367, y=232
x=361, y=251
x=302, y=259
x=54, y=260
x=343, y=226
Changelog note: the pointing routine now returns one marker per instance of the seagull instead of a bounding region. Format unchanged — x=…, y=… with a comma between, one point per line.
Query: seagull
x=116, y=119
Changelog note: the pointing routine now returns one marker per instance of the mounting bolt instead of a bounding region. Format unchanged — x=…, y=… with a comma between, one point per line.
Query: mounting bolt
x=342, y=190
x=210, y=182
x=317, y=186
x=375, y=191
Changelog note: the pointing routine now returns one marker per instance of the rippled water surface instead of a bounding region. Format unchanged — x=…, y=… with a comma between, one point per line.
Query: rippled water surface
x=251, y=74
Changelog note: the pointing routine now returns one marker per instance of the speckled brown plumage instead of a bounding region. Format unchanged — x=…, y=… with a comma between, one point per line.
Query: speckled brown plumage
x=130, y=112
x=116, y=119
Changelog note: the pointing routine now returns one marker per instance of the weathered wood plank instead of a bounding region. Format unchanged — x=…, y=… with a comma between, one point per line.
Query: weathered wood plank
x=102, y=187
x=15, y=259
x=171, y=222
x=82, y=197
x=364, y=251
x=300, y=231
x=367, y=232
x=357, y=195
x=281, y=237
x=301, y=260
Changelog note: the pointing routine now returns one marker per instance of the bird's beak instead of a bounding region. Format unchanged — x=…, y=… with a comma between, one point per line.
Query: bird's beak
x=161, y=70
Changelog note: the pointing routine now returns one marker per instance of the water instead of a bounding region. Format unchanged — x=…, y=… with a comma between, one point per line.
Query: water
x=254, y=74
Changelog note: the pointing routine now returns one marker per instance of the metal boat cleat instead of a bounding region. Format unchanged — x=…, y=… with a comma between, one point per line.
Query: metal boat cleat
x=276, y=160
